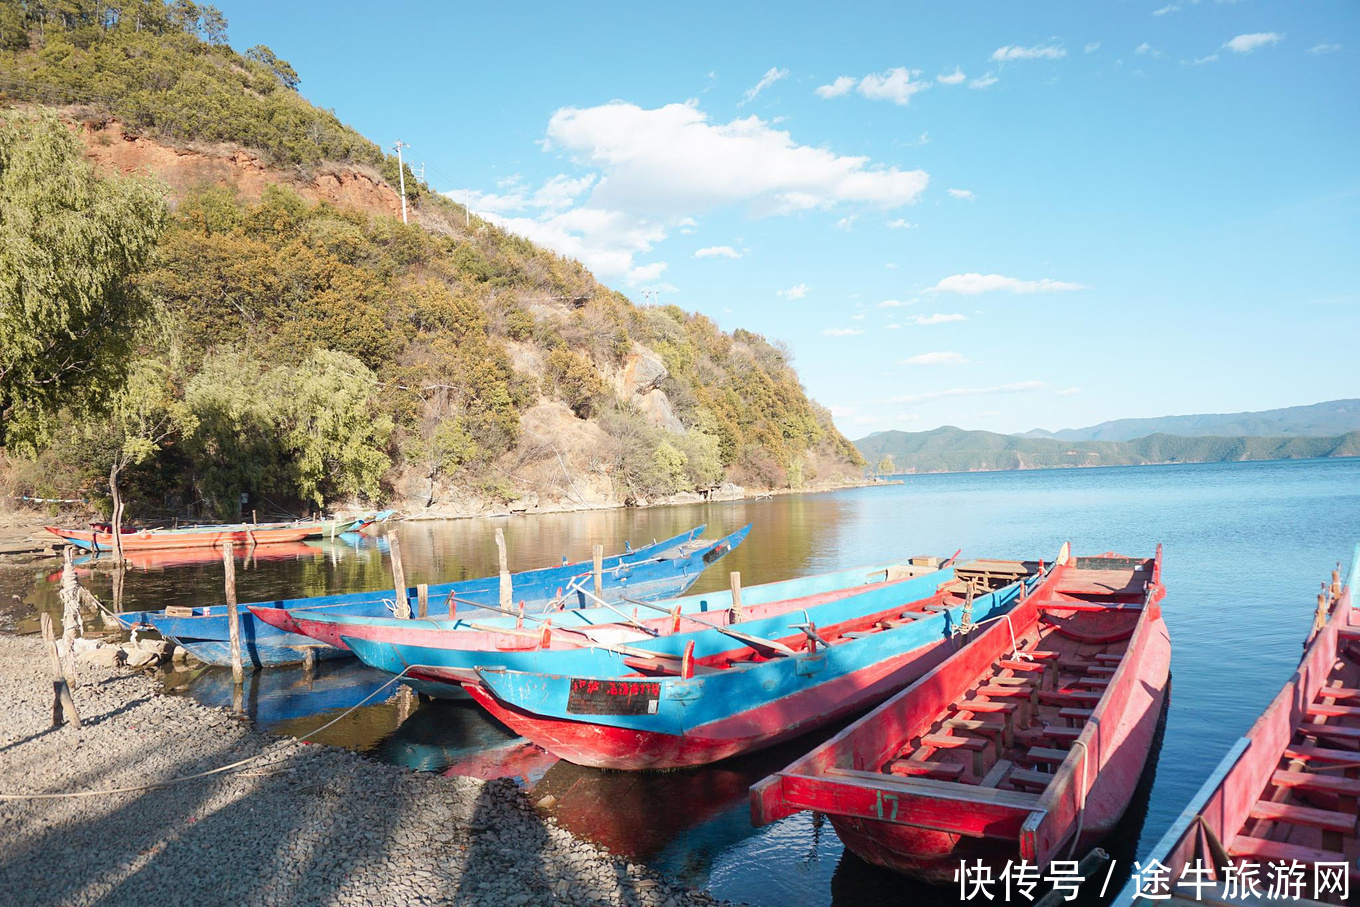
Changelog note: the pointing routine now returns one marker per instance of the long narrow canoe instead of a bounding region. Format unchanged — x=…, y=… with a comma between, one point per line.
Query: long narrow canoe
x=192, y=537
x=1285, y=792
x=1027, y=744
x=719, y=695
x=486, y=631
x=662, y=570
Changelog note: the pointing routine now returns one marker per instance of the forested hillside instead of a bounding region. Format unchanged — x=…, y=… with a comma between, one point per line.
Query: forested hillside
x=1316, y=420
x=952, y=449
x=209, y=337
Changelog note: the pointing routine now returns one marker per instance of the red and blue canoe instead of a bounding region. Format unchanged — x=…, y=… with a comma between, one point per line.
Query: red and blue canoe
x=1027, y=744
x=191, y=537
x=790, y=675
x=1285, y=792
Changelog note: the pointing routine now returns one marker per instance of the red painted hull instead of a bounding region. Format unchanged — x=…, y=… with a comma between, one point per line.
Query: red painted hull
x=600, y=746
x=152, y=540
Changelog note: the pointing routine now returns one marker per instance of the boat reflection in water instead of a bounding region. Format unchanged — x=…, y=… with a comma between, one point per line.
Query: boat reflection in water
x=288, y=700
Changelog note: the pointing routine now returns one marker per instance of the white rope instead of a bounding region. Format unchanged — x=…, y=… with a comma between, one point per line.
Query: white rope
x=215, y=771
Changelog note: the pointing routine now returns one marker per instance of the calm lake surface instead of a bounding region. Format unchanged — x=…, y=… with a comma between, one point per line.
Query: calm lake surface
x=1246, y=545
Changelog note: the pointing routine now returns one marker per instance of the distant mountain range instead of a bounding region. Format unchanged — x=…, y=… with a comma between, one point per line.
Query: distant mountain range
x=1318, y=420
x=1330, y=429
x=951, y=449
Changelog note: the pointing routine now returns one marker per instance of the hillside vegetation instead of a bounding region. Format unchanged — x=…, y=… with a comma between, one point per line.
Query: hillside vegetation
x=295, y=351
x=1317, y=420
x=952, y=449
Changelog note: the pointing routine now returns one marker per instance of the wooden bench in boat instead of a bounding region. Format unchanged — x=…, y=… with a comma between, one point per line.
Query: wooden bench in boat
x=943, y=771
x=1332, y=711
x=1058, y=697
x=1267, y=851
x=1307, y=752
x=975, y=745
x=1044, y=755
x=1331, y=731
x=1033, y=736
x=1324, y=819
x=1074, y=716
x=1329, y=783
x=1338, y=693
x=1025, y=778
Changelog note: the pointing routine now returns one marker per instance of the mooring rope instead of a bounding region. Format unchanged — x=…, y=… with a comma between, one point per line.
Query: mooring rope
x=68, y=795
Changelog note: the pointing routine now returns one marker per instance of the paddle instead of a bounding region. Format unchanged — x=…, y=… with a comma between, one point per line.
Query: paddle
x=756, y=642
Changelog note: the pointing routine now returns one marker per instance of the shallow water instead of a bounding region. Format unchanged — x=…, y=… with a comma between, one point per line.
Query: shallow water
x=1246, y=545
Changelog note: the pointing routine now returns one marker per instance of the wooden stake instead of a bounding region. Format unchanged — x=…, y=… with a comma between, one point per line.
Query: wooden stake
x=736, y=596
x=507, y=597
x=399, y=578
x=309, y=660
x=61, y=690
x=597, y=552
x=233, y=619
x=422, y=600
x=1336, y=582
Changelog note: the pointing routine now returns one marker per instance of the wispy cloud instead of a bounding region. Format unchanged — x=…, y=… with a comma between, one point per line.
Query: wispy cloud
x=1169, y=8
x=901, y=223
x=845, y=223
x=974, y=284
x=1245, y=44
x=893, y=304
x=841, y=86
x=772, y=75
x=1069, y=392
x=646, y=273
x=1038, y=52
x=717, y=252
x=1092, y=47
x=1324, y=48
x=1200, y=61
x=987, y=80
x=798, y=291
x=941, y=357
x=1147, y=50
x=842, y=332
x=895, y=85
x=952, y=78
x=1016, y=388
x=961, y=193
x=938, y=318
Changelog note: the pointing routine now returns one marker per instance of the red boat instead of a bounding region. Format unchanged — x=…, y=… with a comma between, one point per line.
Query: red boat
x=190, y=537
x=1286, y=792
x=1026, y=744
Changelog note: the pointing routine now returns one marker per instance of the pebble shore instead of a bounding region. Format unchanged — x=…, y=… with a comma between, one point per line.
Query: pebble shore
x=301, y=825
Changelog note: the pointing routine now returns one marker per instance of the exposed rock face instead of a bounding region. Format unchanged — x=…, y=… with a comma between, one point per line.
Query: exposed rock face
x=114, y=151
x=639, y=382
x=643, y=372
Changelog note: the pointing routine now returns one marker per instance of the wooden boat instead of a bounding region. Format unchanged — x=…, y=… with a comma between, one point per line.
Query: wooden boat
x=1027, y=744
x=246, y=534
x=691, y=699
x=481, y=631
x=657, y=571
x=1285, y=792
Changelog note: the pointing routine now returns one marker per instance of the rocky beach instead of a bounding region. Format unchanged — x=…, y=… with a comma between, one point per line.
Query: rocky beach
x=289, y=823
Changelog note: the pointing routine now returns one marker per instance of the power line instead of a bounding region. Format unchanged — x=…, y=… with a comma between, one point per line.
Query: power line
x=401, y=174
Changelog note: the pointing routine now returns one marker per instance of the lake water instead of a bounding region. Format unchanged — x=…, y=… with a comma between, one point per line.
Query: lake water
x=1246, y=545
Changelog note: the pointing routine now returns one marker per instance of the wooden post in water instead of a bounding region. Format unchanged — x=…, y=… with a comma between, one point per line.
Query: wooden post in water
x=1320, y=616
x=1336, y=582
x=399, y=578
x=735, y=577
x=597, y=554
x=422, y=600
x=507, y=596
x=309, y=661
x=233, y=619
x=61, y=690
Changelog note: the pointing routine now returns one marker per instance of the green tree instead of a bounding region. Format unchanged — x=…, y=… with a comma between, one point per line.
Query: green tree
x=886, y=466
x=70, y=245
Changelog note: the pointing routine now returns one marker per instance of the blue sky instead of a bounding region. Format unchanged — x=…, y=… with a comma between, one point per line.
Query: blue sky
x=990, y=215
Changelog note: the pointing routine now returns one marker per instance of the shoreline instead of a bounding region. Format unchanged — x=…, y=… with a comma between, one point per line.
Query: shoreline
x=299, y=824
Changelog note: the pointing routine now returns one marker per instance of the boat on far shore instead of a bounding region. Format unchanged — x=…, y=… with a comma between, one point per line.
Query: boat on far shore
x=99, y=537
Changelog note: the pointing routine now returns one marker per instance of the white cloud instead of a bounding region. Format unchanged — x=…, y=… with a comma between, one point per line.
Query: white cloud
x=1245, y=44
x=1324, y=48
x=973, y=284
x=1038, y=52
x=864, y=420
x=1169, y=8
x=942, y=357
x=901, y=224
x=892, y=327
x=646, y=273
x=1148, y=49
x=841, y=86
x=938, y=318
x=655, y=170
x=842, y=332
x=962, y=193
x=772, y=75
x=717, y=252
x=1069, y=392
x=1092, y=47
x=794, y=292
x=952, y=78
x=891, y=266
x=1017, y=388
x=858, y=317
x=986, y=80
x=892, y=304
x=1200, y=61
x=845, y=223
x=841, y=412
x=895, y=85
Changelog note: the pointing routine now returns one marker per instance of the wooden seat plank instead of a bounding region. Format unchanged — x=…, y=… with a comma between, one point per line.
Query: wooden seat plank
x=941, y=770
x=1021, y=777
x=1014, y=665
x=1058, y=697
x=1308, y=752
x=949, y=741
x=997, y=774
x=1329, y=783
x=1047, y=732
x=1324, y=819
x=1044, y=754
x=1264, y=850
x=1318, y=710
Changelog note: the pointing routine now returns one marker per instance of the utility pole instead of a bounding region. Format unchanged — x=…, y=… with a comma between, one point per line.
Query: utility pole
x=422, y=171
x=467, y=207
x=401, y=175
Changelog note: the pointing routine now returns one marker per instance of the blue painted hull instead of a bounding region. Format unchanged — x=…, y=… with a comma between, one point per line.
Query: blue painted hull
x=659, y=571
x=596, y=662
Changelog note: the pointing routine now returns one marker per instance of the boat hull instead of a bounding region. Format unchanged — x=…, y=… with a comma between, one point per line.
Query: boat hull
x=160, y=540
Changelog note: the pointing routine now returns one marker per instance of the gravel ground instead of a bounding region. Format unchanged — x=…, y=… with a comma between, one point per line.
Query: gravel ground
x=302, y=825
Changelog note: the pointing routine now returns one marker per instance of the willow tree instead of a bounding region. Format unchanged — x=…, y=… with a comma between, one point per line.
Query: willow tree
x=70, y=246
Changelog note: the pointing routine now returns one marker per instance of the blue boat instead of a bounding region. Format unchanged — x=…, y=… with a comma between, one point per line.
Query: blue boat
x=657, y=571
x=442, y=667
